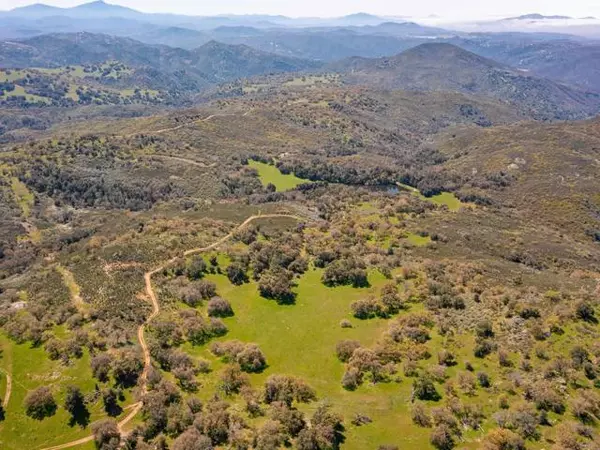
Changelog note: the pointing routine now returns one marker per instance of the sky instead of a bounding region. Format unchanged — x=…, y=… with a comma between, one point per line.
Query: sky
x=454, y=9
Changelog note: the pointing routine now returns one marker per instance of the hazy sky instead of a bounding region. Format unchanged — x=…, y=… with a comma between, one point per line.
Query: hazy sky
x=329, y=8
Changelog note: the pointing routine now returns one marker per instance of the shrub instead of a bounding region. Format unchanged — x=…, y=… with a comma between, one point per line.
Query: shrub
x=251, y=359
x=286, y=389
x=484, y=380
x=484, y=329
x=345, y=323
x=233, y=380
x=590, y=371
x=236, y=274
x=106, y=435
x=529, y=313
x=466, y=381
x=445, y=358
x=352, y=379
x=504, y=358
x=365, y=308
x=483, y=348
x=424, y=389
x=420, y=416
x=191, y=295
x=390, y=299
x=547, y=399
x=195, y=268
x=502, y=439
x=584, y=311
x=441, y=438
x=579, y=356
x=345, y=348
x=248, y=356
x=217, y=327
x=206, y=289
x=219, y=307
x=40, y=403
x=345, y=272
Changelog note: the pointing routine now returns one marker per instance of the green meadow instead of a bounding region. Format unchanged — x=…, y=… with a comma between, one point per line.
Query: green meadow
x=271, y=174
x=418, y=240
x=31, y=368
x=300, y=340
x=445, y=198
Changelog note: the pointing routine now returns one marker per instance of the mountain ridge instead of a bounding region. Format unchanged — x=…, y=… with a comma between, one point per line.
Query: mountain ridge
x=443, y=66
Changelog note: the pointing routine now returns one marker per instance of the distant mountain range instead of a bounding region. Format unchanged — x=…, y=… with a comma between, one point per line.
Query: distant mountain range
x=102, y=10
x=588, y=27
x=536, y=16
x=445, y=67
x=184, y=51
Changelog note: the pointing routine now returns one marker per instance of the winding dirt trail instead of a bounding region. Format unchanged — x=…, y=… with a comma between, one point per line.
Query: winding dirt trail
x=136, y=407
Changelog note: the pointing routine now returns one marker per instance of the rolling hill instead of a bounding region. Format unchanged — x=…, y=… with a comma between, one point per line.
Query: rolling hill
x=445, y=67
x=152, y=66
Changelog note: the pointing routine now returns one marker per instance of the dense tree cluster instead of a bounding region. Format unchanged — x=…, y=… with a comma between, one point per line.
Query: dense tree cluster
x=94, y=190
x=347, y=271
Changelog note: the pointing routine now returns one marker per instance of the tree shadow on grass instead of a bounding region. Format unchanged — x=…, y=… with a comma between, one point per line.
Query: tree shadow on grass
x=80, y=416
x=113, y=409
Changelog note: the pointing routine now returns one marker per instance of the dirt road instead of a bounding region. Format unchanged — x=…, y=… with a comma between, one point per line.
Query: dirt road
x=136, y=407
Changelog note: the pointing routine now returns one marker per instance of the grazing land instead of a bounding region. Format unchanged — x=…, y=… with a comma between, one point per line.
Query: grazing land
x=224, y=247
x=269, y=174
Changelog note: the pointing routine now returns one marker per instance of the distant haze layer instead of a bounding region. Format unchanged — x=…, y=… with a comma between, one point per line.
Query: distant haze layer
x=458, y=10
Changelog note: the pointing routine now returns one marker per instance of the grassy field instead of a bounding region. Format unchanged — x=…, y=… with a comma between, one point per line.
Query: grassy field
x=271, y=174
x=30, y=369
x=445, y=198
x=418, y=240
x=300, y=340
x=19, y=91
x=448, y=199
x=23, y=196
x=75, y=77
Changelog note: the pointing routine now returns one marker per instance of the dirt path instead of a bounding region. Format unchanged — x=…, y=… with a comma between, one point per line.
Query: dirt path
x=178, y=127
x=136, y=407
x=184, y=160
x=6, y=398
x=206, y=119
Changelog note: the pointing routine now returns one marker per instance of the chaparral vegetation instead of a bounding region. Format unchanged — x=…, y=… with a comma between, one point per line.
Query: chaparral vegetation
x=223, y=247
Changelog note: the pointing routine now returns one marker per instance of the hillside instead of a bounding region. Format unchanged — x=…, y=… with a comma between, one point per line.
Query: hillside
x=572, y=62
x=174, y=73
x=226, y=62
x=552, y=169
x=447, y=67
x=139, y=255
